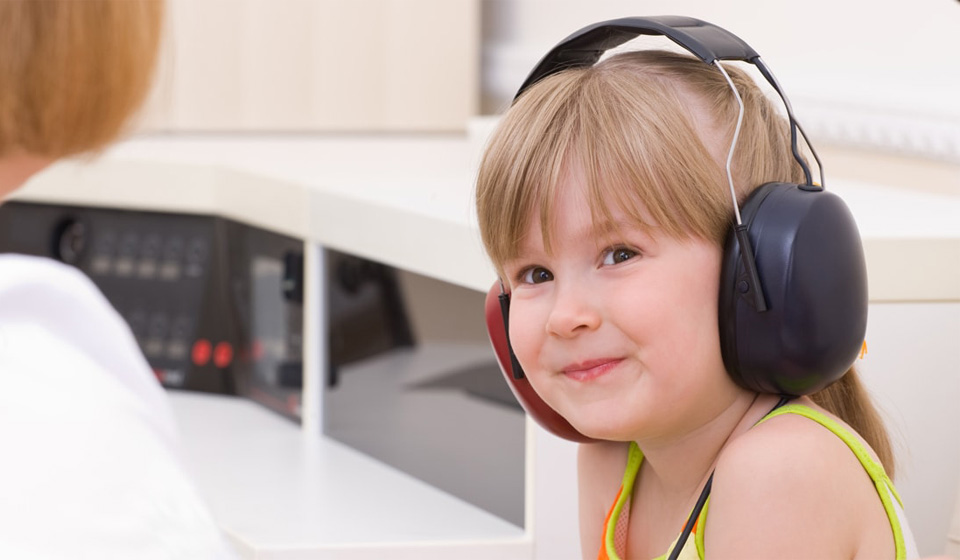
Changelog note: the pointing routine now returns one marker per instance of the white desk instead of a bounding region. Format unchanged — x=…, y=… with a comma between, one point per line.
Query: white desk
x=282, y=495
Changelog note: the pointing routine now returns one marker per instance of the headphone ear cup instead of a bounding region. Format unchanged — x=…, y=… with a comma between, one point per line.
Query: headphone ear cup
x=544, y=415
x=813, y=276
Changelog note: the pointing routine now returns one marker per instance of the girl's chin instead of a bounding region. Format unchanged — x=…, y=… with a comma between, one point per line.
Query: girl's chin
x=603, y=427
x=606, y=435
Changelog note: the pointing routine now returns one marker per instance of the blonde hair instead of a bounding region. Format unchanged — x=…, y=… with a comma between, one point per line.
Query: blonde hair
x=72, y=71
x=651, y=127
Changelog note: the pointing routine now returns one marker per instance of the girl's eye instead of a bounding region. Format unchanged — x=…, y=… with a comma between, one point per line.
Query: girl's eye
x=536, y=275
x=618, y=255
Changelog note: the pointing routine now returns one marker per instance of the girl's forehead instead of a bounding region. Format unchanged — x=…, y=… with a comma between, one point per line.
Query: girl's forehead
x=601, y=209
x=573, y=215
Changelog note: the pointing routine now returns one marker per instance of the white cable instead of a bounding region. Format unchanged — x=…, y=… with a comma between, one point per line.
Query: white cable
x=733, y=144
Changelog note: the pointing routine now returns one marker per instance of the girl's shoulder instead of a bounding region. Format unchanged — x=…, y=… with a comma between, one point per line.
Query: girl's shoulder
x=789, y=478
x=800, y=437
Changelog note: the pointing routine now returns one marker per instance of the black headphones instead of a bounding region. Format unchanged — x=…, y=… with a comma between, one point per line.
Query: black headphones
x=793, y=285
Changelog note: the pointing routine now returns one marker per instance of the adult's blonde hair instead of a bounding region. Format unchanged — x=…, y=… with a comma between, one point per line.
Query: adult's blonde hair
x=650, y=131
x=73, y=71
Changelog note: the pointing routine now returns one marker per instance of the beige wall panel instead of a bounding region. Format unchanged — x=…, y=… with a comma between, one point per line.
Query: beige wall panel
x=203, y=67
x=318, y=65
x=440, y=54
x=348, y=52
x=274, y=47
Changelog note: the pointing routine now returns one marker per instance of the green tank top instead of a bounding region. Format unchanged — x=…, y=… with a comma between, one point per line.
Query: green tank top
x=615, y=526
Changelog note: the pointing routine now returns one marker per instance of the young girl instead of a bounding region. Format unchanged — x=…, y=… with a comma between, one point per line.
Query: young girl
x=603, y=202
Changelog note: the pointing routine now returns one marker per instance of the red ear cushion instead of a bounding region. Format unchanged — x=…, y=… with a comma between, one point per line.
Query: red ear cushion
x=524, y=393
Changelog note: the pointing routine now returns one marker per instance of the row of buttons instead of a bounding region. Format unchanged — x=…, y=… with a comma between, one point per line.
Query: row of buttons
x=170, y=271
x=131, y=245
x=159, y=325
x=149, y=258
x=160, y=337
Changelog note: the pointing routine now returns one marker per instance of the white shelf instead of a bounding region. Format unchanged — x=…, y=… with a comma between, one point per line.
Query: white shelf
x=279, y=493
x=401, y=200
x=407, y=201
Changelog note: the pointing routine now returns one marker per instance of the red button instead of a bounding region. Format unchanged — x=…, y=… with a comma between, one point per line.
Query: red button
x=223, y=354
x=257, y=350
x=201, y=352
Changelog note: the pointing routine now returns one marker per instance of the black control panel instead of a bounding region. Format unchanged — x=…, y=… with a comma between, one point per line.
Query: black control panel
x=215, y=305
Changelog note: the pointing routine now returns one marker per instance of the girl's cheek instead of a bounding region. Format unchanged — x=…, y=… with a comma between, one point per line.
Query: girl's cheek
x=519, y=339
x=524, y=333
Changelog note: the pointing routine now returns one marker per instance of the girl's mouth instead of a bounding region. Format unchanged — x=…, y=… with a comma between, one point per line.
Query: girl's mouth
x=592, y=369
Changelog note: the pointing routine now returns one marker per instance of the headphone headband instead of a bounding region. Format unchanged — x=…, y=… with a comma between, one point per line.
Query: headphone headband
x=702, y=39
x=585, y=47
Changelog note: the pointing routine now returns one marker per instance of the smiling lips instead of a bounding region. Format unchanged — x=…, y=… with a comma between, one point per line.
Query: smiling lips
x=590, y=370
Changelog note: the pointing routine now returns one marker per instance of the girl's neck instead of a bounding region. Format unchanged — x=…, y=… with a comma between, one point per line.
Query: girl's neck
x=679, y=466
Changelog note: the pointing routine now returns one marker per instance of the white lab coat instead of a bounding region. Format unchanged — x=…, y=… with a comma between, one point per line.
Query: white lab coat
x=89, y=464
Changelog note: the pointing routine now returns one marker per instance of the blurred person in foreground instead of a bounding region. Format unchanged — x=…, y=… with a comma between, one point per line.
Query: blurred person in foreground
x=91, y=465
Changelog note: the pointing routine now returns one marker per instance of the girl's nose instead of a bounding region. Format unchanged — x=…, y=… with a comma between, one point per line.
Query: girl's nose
x=573, y=312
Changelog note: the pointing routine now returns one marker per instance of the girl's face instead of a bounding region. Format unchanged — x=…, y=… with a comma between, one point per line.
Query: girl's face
x=616, y=328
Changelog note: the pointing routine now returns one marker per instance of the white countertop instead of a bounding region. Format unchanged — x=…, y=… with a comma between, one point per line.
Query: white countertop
x=407, y=201
x=281, y=494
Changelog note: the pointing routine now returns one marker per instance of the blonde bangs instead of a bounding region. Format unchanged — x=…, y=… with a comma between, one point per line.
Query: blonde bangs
x=630, y=134
x=523, y=164
x=643, y=155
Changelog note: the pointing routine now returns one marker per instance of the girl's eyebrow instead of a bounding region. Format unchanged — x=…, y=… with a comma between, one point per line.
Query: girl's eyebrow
x=602, y=230
x=511, y=263
x=606, y=227
x=521, y=258
x=614, y=231
x=610, y=227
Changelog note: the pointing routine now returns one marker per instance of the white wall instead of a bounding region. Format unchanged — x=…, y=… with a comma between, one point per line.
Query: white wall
x=873, y=74
x=913, y=369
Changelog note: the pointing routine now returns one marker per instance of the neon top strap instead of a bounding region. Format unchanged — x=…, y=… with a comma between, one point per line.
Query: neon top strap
x=616, y=523
x=615, y=526
x=615, y=532
x=878, y=475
